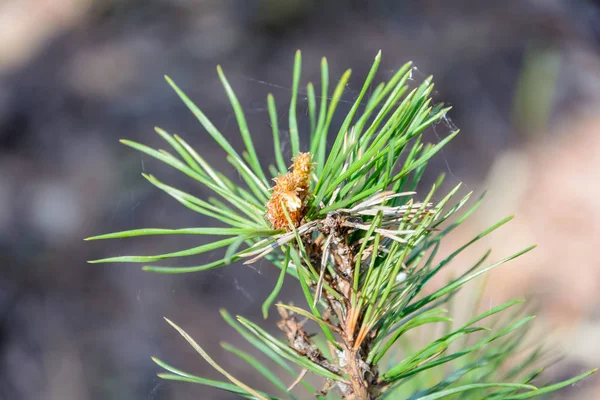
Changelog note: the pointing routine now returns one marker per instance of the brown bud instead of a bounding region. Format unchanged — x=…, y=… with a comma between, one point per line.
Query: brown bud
x=292, y=192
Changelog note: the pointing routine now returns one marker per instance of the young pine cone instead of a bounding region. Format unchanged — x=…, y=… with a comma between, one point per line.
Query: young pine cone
x=291, y=191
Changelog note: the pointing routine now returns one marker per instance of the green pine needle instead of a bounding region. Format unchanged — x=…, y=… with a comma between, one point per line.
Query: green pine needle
x=362, y=245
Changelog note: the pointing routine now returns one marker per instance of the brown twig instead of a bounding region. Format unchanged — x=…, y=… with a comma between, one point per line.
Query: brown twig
x=332, y=248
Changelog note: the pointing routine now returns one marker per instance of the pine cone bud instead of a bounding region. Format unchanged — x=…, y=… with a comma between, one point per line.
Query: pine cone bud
x=292, y=192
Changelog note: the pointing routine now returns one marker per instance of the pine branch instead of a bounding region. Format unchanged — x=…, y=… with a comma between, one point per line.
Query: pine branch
x=346, y=224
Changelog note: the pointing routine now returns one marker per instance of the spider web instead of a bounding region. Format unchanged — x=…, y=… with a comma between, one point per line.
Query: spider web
x=350, y=94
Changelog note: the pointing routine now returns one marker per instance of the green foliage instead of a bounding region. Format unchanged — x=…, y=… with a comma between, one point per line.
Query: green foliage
x=363, y=253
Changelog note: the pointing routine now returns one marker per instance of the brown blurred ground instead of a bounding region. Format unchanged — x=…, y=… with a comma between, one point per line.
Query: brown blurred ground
x=75, y=76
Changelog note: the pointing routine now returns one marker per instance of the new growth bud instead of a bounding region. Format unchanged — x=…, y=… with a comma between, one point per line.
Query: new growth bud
x=291, y=191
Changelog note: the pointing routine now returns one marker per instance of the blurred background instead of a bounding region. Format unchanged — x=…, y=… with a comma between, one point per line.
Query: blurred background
x=77, y=75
